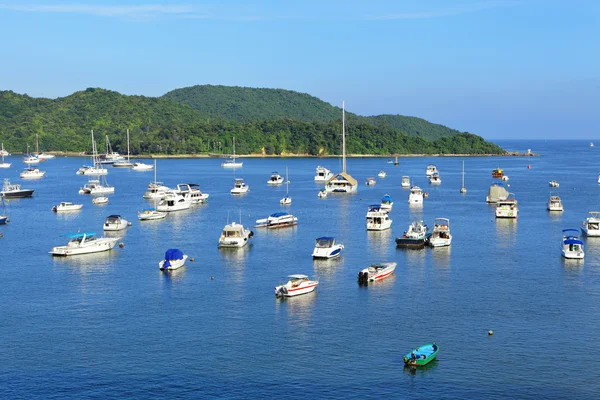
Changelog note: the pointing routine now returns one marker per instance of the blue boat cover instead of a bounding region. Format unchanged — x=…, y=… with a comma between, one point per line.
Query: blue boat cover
x=279, y=214
x=573, y=241
x=172, y=254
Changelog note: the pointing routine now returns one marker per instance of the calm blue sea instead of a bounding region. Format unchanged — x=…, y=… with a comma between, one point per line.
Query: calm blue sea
x=112, y=325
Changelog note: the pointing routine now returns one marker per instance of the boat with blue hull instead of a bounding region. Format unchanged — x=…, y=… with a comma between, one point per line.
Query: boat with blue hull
x=421, y=355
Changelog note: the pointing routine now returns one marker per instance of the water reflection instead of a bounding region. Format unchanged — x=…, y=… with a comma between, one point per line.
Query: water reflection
x=506, y=232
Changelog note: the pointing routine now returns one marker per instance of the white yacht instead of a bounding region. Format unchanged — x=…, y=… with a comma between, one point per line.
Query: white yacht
x=323, y=175
x=232, y=162
x=405, y=182
x=431, y=169
x=141, y=167
x=571, y=245
x=115, y=223
x=416, y=196
x=326, y=247
x=507, y=208
x=342, y=182
x=4, y=153
x=235, y=235
x=192, y=191
x=554, y=203
x=32, y=173
x=174, y=259
x=591, y=225
x=387, y=203
x=84, y=243
x=441, y=235
x=376, y=272
x=66, y=206
x=296, y=285
x=277, y=220
x=239, y=187
x=174, y=201
x=382, y=174
x=435, y=179
x=378, y=219
x=275, y=179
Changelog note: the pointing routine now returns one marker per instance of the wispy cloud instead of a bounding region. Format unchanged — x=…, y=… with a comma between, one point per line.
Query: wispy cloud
x=457, y=10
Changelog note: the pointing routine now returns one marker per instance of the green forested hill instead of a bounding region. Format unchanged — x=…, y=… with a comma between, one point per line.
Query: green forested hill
x=163, y=125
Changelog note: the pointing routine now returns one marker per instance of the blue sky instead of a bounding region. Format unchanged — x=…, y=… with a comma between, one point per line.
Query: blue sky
x=498, y=68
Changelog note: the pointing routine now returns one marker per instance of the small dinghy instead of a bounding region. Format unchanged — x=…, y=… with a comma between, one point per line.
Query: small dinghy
x=174, y=259
x=421, y=355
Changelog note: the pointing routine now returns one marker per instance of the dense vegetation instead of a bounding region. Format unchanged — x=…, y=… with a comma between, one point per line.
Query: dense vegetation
x=163, y=125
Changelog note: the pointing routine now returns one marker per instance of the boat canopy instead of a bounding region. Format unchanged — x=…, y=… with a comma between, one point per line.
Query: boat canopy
x=298, y=276
x=173, y=254
x=573, y=241
x=279, y=214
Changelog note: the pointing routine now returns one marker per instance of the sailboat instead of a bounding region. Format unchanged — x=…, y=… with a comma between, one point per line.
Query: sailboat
x=124, y=163
x=463, y=189
x=31, y=159
x=95, y=169
x=287, y=200
x=342, y=182
x=4, y=153
x=232, y=163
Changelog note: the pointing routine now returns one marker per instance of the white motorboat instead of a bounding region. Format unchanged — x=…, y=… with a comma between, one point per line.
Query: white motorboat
x=91, y=170
x=507, y=208
x=150, y=214
x=495, y=193
x=277, y=220
x=100, y=200
x=463, y=188
x=286, y=200
x=122, y=162
x=14, y=191
x=322, y=193
x=591, y=225
x=4, y=153
x=405, y=182
x=431, y=169
x=239, y=187
x=571, y=245
x=140, y=167
x=435, y=179
x=326, y=247
x=32, y=173
x=382, y=174
x=174, y=201
x=232, y=162
x=275, y=179
x=193, y=192
x=323, y=175
x=416, y=196
x=387, y=203
x=296, y=285
x=84, y=243
x=554, y=203
x=66, y=206
x=174, y=259
x=441, y=235
x=378, y=219
x=235, y=235
x=370, y=182
x=376, y=272
x=342, y=182
x=554, y=184
x=115, y=223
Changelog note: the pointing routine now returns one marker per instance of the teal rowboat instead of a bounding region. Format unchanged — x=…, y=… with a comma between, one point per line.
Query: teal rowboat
x=421, y=355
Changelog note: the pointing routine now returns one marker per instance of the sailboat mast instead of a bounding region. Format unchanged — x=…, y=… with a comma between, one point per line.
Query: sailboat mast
x=343, y=138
